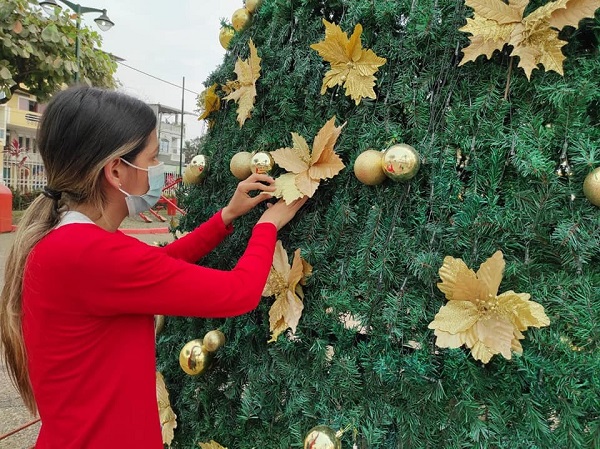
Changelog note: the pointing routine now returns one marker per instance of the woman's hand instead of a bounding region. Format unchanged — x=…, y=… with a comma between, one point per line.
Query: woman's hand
x=280, y=213
x=241, y=202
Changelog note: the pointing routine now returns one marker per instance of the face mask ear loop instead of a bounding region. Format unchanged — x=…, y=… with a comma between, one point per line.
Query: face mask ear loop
x=135, y=166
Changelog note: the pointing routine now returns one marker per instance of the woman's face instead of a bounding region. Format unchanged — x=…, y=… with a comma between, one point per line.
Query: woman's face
x=149, y=155
x=137, y=180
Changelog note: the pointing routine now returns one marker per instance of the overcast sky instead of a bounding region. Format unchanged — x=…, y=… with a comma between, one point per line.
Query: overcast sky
x=169, y=40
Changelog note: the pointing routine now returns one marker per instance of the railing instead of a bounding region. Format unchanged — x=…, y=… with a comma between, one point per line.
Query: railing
x=28, y=176
x=24, y=176
x=169, y=203
x=170, y=188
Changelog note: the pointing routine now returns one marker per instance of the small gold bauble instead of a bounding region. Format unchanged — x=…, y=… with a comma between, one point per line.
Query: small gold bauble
x=322, y=437
x=367, y=167
x=400, y=162
x=225, y=36
x=213, y=340
x=261, y=163
x=591, y=187
x=252, y=5
x=240, y=165
x=240, y=19
x=195, y=171
x=194, y=358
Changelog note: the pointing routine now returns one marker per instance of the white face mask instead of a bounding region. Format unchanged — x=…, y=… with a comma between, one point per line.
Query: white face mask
x=156, y=181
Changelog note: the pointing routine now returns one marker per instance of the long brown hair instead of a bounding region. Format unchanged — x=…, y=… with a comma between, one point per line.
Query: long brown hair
x=81, y=130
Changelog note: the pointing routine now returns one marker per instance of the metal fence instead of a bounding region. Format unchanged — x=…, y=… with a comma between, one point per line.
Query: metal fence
x=26, y=177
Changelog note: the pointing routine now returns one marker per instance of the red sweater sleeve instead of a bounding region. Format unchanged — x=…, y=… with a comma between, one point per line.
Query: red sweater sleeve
x=201, y=241
x=117, y=274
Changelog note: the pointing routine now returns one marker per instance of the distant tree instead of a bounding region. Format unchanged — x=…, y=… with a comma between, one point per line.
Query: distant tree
x=38, y=52
x=192, y=147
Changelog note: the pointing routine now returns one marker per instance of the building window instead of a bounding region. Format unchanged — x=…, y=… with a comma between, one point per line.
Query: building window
x=25, y=104
x=164, y=146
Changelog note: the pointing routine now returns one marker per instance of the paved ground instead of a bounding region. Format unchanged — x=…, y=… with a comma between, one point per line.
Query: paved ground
x=13, y=413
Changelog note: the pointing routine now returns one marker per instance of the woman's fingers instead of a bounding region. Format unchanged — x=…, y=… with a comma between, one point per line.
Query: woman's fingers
x=248, y=187
x=296, y=204
x=300, y=202
x=255, y=177
x=263, y=196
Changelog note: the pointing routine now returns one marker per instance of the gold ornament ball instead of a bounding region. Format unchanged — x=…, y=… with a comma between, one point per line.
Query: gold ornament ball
x=213, y=340
x=195, y=171
x=240, y=19
x=322, y=437
x=400, y=162
x=591, y=187
x=261, y=163
x=252, y=5
x=225, y=36
x=194, y=358
x=367, y=167
x=240, y=165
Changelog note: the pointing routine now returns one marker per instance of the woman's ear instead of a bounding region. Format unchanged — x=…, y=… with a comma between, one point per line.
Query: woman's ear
x=114, y=172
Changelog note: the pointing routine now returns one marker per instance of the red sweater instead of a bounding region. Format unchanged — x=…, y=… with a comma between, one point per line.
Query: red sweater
x=89, y=297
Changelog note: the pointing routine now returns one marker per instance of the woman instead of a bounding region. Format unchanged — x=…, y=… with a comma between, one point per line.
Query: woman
x=79, y=296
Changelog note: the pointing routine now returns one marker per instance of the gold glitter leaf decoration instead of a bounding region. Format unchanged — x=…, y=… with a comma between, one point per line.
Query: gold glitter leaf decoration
x=307, y=169
x=209, y=102
x=351, y=66
x=243, y=90
x=168, y=418
x=477, y=316
x=285, y=283
x=534, y=38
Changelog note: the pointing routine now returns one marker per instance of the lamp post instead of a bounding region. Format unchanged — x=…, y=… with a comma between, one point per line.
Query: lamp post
x=103, y=22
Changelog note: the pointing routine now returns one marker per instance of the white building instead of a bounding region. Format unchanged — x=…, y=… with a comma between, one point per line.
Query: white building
x=170, y=137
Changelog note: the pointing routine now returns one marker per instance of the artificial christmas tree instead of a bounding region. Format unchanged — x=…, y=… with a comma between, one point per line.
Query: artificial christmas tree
x=490, y=143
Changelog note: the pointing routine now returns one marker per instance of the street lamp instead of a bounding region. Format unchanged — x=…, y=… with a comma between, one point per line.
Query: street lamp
x=103, y=22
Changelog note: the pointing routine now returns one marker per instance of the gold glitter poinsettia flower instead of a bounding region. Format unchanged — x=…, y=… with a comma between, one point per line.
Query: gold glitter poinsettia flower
x=285, y=283
x=168, y=418
x=209, y=102
x=477, y=316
